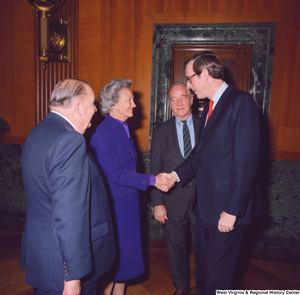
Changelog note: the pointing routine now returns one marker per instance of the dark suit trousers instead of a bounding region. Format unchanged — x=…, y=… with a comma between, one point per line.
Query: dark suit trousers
x=41, y=292
x=177, y=230
x=216, y=256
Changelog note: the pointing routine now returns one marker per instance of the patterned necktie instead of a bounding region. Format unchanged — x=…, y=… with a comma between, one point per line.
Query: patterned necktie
x=186, y=140
x=210, y=109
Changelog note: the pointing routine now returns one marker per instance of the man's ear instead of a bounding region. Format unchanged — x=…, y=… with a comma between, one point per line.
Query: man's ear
x=191, y=100
x=77, y=105
x=204, y=74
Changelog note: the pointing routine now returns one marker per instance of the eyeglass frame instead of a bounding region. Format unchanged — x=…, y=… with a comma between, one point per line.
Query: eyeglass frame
x=189, y=78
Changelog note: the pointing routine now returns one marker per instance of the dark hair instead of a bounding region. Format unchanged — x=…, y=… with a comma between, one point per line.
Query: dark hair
x=207, y=60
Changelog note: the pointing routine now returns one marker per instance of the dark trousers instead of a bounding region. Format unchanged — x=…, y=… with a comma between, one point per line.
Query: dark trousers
x=216, y=256
x=86, y=290
x=178, y=230
x=42, y=292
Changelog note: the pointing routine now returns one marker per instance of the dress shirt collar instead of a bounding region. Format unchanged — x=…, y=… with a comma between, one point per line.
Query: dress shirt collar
x=57, y=113
x=219, y=93
x=189, y=120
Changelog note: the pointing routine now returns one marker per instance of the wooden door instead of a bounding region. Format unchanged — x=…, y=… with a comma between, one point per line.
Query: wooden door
x=236, y=60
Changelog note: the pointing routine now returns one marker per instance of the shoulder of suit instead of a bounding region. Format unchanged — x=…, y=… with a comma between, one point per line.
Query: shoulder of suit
x=109, y=130
x=196, y=117
x=107, y=124
x=68, y=140
x=165, y=124
x=237, y=96
x=236, y=92
x=54, y=125
x=104, y=129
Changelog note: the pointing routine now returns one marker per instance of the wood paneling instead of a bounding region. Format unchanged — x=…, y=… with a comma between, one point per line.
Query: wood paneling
x=26, y=87
x=124, y=45
x=133, y=53
x=125, y=50
x=17, y=98
x=46, y=79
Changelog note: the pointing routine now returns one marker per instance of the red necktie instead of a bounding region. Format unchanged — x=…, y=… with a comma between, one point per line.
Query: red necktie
x=210, y=109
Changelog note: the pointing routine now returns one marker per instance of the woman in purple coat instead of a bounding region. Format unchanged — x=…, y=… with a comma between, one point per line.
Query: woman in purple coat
x=113, y=148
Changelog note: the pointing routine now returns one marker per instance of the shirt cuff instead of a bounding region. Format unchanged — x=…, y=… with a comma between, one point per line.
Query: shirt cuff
x=178, y=179
x=152, y=180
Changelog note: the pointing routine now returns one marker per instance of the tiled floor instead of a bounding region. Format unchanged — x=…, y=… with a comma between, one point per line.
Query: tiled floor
x=263, y=271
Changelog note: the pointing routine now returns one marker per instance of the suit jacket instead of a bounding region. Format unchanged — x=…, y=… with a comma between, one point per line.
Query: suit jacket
x=102, y=237
x=63, y=235
x=117, y=157
x=165, y=156
x=225, y=160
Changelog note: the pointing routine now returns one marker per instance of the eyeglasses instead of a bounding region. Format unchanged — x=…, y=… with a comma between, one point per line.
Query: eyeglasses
x=188, y=79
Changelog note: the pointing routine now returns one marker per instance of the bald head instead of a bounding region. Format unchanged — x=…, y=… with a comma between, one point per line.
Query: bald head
x=74, y=99
x=66, y=90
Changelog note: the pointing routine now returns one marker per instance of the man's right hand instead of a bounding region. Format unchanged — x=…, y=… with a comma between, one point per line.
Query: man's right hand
x=72, y=287
x=160, y=213
x=164, y=181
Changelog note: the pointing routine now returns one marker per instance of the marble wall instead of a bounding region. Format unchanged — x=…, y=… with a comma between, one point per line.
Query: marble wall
x=12, y=195
x=261, y=36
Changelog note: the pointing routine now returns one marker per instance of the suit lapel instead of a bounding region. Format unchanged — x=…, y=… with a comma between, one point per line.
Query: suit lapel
x=120, y=132
x=214, y=115
x=196, y=127
x=216, y=112
x=172, y=140
x=202, y=123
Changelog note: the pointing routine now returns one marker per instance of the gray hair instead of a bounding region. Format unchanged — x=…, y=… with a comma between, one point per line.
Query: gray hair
x=178, y=84
x=66, y=90
x=109, y=94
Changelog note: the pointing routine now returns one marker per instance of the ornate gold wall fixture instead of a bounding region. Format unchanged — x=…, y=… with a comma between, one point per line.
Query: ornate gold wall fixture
x=60, y=39
x=54, y=33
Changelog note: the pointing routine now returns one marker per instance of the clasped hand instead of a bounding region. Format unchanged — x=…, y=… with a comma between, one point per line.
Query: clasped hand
x=164, y=181
x=226, y=222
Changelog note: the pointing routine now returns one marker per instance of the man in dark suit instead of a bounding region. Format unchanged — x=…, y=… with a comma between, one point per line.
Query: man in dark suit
x=175, y=209
x=67, y=241
x=225, y=162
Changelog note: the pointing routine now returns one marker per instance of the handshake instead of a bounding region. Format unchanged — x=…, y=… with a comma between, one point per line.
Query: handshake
x=164, y=181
